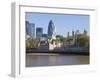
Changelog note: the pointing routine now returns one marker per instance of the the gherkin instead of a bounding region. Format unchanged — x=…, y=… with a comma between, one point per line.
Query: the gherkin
x=51, y=29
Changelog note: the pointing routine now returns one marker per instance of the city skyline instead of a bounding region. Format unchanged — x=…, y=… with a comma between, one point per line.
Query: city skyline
x=64, y=23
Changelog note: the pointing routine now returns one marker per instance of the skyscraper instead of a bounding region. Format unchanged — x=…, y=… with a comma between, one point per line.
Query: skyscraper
x=73, y=34
x=51, y=29
x=27, y=27
x=30, y=29
x=39, y=32
x=67, y=34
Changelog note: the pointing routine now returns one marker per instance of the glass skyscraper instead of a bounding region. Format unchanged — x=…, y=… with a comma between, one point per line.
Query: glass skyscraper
x=27, y=27
x=51, y=29
x=39, y=32
x=30, y=29
x=32, y=26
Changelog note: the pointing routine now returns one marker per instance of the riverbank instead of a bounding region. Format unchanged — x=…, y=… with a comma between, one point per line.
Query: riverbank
x=53, y=54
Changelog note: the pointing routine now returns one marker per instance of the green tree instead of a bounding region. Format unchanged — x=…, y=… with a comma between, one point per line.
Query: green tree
x=60, y=38
x=83, y=40
x=32, y=43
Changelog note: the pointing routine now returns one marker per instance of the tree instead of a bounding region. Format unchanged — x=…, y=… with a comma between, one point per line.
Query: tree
x=32, y=43
x=60, y=38
x=83, y=40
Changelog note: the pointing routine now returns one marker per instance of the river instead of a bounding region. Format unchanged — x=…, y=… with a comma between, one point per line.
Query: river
x=39, y=60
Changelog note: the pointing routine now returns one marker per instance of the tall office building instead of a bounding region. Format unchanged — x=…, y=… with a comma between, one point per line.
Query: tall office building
x=39, y=32
x=73, y=38
x=30, y=29
x=67, y=34
x=73, y=33
x=51, y=29
x=27, y=27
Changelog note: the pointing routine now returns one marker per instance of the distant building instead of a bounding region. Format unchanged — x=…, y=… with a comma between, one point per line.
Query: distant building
x=27, y=27
x=32, y=33
x=39, y=32
x=67, y=34
x=43, y=41
x=85, y=32
x=74, y=38
x=73, y=33
x=45, y=36
x=51, y=30
x=30, y=29
x=77, y=32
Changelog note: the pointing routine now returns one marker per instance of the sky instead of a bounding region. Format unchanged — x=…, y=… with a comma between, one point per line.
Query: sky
x=64, y=23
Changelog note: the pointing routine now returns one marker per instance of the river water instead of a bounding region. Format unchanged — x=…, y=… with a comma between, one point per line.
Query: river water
x=38, y=60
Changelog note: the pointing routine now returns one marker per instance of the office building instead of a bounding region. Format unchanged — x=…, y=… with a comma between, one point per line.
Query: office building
x=30, y=29
x=39, y=32
x=51, y=29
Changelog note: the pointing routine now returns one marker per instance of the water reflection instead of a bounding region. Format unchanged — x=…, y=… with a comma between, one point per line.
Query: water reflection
x=54, y=60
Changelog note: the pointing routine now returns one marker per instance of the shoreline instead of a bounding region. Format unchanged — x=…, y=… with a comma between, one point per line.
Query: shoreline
x=52, y=54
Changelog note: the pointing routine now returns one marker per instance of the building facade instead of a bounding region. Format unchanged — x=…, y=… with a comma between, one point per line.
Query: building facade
x=39, y=32
x=30, y=29
x=51, y=30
